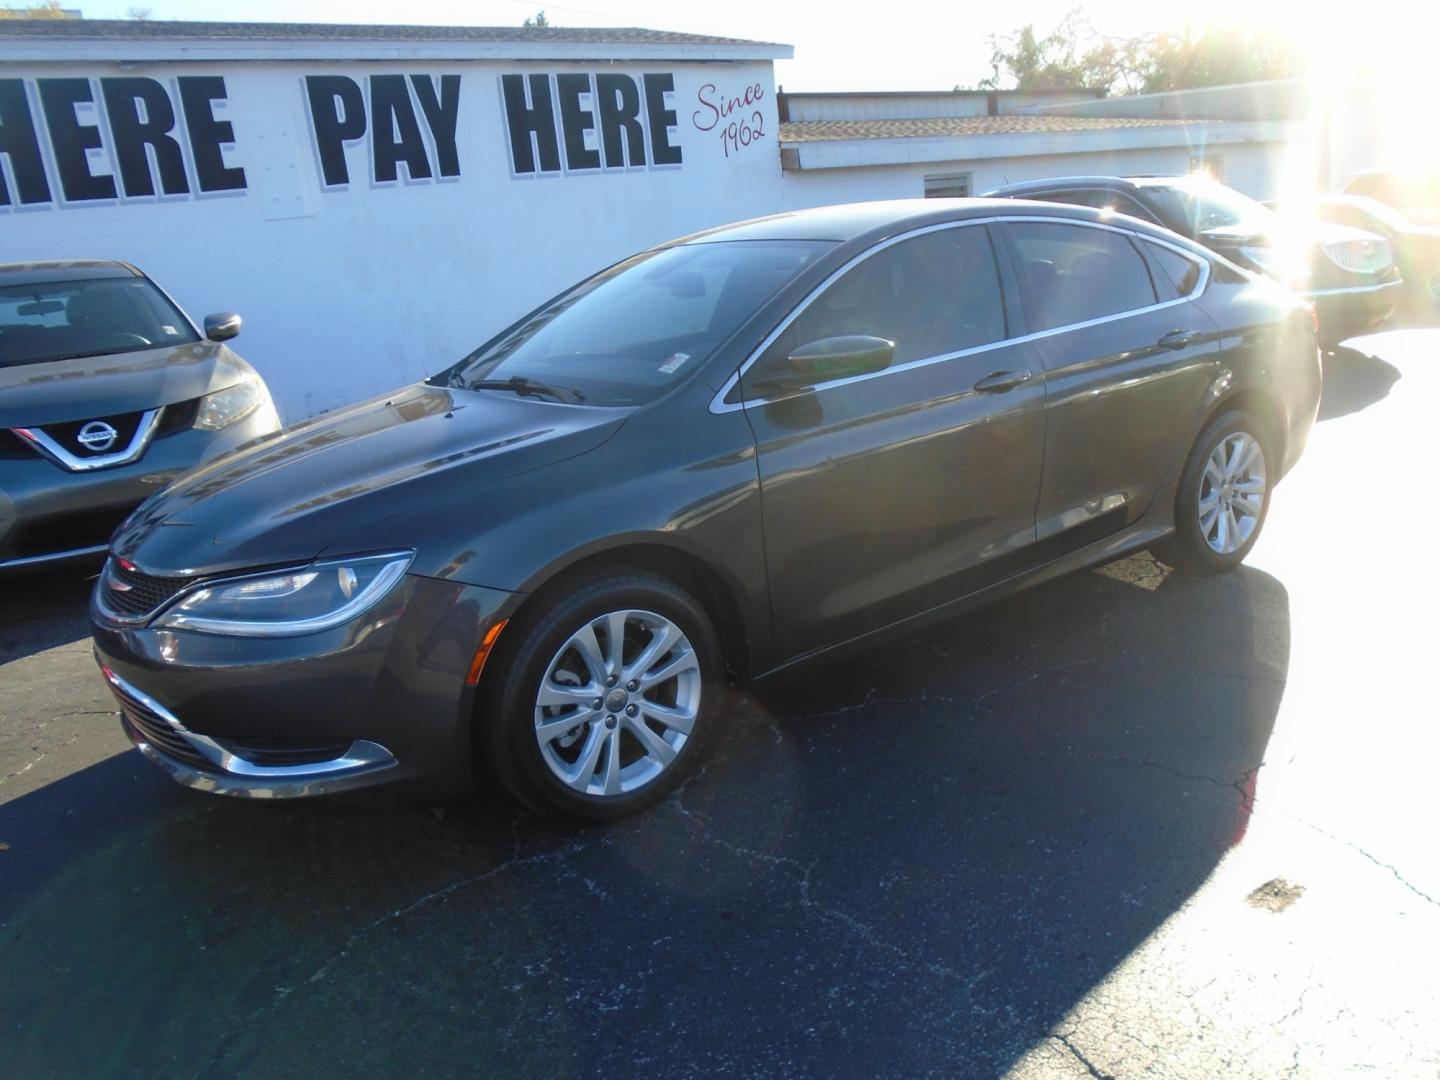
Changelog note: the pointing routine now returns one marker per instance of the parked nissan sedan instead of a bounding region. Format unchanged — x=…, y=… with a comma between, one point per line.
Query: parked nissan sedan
x=708, y=462
x=107, y=392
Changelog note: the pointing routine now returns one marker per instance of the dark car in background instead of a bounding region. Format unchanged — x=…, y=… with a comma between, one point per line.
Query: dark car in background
x=107, y=392
x=1348, y=274
x=708, y=462
x=1416, y=245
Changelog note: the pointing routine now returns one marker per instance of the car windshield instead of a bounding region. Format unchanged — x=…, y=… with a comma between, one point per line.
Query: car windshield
x=1203, y=205
x=66, y=319
x=629, y=333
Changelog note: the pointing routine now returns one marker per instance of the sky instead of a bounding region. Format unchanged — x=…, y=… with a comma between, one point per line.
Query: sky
x=900, y=45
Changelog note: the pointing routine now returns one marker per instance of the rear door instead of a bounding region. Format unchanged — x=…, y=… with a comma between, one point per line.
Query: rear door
x=1128, y=358
x=890, y=493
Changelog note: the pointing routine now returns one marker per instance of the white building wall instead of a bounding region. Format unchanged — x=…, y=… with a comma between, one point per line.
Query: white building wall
x=348, y=291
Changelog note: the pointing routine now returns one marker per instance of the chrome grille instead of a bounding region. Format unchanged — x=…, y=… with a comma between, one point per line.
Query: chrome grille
x=1360, y=256
x=126, y=591
x=155, y=731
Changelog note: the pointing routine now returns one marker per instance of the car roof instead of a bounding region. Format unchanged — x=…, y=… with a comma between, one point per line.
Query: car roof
x=40, y=273
x=870, y=220
x=1121, y=183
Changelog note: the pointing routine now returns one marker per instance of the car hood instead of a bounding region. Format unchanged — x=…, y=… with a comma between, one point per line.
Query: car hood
x=1310, y=231
x=288, y=497
x=90, y=386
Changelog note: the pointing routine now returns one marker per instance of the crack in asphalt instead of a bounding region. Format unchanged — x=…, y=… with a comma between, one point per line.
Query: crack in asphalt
x=1064, y=1040
x=980, y=701
x=61, y=746
x=803, y=872
x=1247, y=799
x=1378, y=862
x=283, y=992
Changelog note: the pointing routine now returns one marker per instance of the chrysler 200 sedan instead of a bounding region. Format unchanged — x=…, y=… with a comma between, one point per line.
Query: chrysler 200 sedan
x=707, y=462
x=107, y=392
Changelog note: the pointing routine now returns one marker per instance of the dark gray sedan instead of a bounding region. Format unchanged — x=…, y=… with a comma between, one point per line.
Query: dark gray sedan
x=107, y=392
x=703, y=464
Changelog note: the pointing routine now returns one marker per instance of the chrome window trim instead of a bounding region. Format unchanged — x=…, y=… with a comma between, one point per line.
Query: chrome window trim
x=718, y=404
x=139, y=442
x=361, y=754
x=1353, y=289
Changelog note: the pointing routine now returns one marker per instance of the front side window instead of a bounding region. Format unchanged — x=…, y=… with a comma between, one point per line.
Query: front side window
x=68, y=319
x=1075, y=273
x=935, y=294
x=631, y=332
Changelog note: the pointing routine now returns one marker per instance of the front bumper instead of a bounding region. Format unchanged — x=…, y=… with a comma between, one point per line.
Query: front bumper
x=198, y=761
x=49, y=515
x=387, y=693
x=1347, y=311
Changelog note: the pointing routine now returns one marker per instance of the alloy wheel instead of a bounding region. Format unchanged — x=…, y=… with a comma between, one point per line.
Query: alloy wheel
x=1232, y=492
x=618, y=702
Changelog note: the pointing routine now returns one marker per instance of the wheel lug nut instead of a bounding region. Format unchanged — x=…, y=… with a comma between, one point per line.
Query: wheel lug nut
x=595, y=704
x=632, y=686
x=611, y=681
x=631, y=710
x=611, y=721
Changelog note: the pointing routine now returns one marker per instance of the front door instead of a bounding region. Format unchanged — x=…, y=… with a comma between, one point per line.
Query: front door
x=889, y=493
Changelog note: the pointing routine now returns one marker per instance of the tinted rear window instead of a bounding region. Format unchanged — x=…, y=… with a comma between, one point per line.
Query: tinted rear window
x=1072, y=273
x=61, y=320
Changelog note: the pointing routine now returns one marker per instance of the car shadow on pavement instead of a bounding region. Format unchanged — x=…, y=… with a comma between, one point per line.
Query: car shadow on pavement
x=1353, y=381
x=910, y=860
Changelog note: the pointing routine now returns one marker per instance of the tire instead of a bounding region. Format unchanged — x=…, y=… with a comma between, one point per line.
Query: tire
x=1211, y=543
x=528, y=744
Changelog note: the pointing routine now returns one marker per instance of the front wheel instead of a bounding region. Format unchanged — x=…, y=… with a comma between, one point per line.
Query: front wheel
x=606, y=699
x=1223, y=498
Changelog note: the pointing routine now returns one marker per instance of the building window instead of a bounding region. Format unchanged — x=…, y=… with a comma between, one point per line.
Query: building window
x=948, y=186
x=1211, y=165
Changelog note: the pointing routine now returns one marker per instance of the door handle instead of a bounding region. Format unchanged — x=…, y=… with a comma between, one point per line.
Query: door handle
x=997, y=382
x=1180, y=339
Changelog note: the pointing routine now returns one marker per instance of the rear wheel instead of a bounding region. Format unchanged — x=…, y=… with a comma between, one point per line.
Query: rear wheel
x=1223, y=498
x=606, y=700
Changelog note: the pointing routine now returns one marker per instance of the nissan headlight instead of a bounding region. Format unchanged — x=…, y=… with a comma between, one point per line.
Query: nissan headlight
x=229, y=406
x=289, y=603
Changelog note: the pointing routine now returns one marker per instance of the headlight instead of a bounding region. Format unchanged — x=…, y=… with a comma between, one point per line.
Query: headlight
x=229, y=406
x=1285, y=266
x=300, y=601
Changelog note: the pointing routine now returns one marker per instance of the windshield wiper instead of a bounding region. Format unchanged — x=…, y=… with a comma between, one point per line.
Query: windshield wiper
x=519, y=384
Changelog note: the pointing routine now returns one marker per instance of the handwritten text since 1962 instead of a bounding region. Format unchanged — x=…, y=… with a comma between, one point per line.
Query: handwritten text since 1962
x=736, y=118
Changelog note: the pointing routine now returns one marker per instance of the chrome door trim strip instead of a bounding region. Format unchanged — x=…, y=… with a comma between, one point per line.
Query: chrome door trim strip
x=70, y=462
x=719, y=405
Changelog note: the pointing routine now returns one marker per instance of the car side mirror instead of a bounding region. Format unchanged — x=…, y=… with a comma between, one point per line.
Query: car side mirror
x=828, y=359
x=222, y=326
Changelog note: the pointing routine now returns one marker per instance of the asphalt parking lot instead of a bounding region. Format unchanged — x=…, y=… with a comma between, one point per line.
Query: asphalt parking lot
x=1129, y=824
